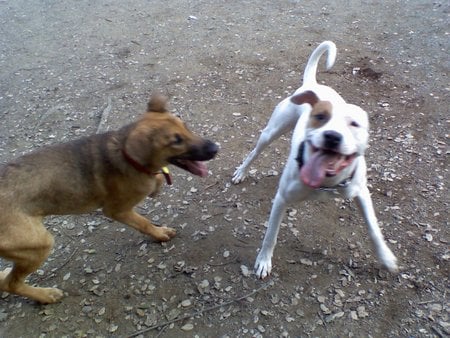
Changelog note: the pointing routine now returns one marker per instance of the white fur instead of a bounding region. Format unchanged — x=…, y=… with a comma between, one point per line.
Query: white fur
x=288, y=116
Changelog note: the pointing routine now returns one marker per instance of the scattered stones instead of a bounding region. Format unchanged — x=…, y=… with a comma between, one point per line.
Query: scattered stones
x=119, y=281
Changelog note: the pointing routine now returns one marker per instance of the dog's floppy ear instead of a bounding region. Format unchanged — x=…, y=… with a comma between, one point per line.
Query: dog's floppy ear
x=157, y=104
x=305, y=97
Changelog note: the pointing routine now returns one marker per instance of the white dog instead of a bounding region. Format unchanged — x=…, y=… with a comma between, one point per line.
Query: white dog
x=327, y=155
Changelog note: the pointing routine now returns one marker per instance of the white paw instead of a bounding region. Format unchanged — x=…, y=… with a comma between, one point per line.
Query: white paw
x=263, y=265
x=389, y=261
x=239, y=175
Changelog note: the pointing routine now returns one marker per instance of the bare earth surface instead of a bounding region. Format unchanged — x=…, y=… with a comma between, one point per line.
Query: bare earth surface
x=67, y=66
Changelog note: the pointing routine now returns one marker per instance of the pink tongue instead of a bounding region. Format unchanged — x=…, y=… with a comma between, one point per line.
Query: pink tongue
x=313, y=172
x=197, y=168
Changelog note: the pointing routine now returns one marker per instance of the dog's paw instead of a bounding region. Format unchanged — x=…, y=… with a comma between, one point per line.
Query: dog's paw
x=238, y=176
x=48, y=295
x=164, y=234
x=389, y=261
x=263, y=265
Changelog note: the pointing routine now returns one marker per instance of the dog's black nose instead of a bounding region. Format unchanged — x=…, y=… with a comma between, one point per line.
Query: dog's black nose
x=210, y=149
x=332, y=139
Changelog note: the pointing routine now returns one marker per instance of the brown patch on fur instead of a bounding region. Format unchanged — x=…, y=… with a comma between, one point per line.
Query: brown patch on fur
x=320, y=114
x=82, y=176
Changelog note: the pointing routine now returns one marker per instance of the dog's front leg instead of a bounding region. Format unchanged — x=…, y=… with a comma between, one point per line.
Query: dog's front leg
x=384, y=254
x=142, y=224
x=263, y=264
x=283, y=119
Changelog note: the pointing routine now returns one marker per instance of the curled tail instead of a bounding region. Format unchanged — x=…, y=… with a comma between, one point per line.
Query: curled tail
x=311, y=67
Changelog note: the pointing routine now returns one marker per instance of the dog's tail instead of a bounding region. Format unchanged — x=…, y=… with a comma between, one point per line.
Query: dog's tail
x=311, y=68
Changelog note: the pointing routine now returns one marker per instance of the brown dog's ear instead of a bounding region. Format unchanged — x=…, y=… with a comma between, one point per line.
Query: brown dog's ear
x=157, y=104
x=305, y=97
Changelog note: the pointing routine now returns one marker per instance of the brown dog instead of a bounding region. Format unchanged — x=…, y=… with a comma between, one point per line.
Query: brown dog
x=113, y=171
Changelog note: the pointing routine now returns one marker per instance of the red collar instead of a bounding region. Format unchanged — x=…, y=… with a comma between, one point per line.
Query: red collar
x=139, y=167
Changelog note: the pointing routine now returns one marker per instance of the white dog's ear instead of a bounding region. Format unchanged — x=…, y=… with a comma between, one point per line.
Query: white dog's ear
x=305, y=97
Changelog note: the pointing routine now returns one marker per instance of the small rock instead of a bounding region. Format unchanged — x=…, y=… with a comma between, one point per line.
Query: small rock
x=186, y=303
x=274, y=299
x=435, y=307
x=245, y=271
x=113, y=328
x=306, y=261
x=361, y=310
x=3, y=315
x=429, y=237
x=187, y=327
x=174, y=313
x=325, y=309
x=321, y=299
x=290, y=319
x=203, y=286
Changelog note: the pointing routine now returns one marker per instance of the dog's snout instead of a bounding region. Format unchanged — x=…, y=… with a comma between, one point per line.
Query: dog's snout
x=210, y=149
x=332, y=139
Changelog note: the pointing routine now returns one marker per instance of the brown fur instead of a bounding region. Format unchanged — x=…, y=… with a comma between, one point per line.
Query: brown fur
x=320, y=114
x=321, y=110
x=81, y=176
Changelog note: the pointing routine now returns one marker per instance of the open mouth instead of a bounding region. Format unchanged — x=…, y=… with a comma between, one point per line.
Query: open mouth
x=193, y=160
x=194, y=167
x=323, y=163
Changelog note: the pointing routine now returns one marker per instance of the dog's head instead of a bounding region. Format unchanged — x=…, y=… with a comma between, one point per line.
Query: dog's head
x=336, y=133
x=160, y=138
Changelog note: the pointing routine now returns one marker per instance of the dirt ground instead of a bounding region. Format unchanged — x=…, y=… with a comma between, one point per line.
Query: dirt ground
x=65, y=66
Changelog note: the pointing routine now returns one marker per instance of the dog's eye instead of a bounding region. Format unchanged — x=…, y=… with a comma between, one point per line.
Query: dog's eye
x=354, y=124
x=178, y=139
x=320, y=117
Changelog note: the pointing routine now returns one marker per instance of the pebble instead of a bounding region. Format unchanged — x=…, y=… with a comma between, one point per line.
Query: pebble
x=186, y=303
x=306, y=261
x=321, y=299
x=325, y=309
x=203, y=286
x=187, y=327
x=361, y=310
x=113, y=328
x=245, y=271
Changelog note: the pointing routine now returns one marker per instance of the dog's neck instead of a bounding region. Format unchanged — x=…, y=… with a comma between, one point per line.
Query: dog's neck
x=141, y=168
x=136, y=165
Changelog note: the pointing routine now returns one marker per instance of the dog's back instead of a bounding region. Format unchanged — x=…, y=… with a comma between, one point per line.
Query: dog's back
x=58, y=179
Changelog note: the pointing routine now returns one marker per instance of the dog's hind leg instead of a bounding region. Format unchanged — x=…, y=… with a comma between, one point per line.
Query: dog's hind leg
x=27, y=245
x=384, y=254
x=282, y=120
